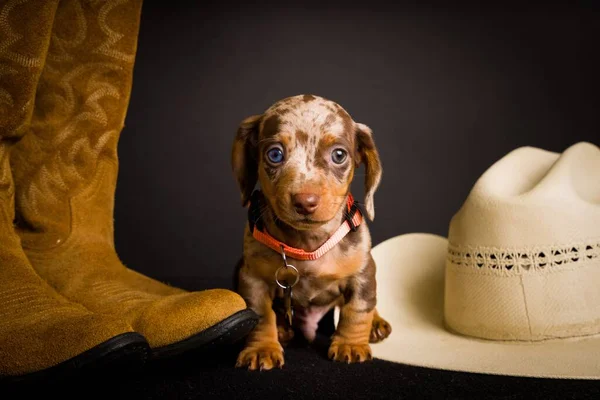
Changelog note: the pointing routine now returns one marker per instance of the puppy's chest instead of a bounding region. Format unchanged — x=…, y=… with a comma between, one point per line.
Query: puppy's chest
x=323, y=281
x=314, y=292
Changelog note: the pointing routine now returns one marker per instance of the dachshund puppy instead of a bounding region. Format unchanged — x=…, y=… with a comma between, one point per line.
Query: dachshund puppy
x=303, y=151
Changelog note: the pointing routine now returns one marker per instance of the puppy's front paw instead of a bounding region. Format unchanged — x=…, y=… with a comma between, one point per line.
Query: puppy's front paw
x=380, y=329
x=263, y=356
x=340, y=350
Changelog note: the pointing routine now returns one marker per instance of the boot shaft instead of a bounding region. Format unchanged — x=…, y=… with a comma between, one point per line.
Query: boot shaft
x=25, y=28
x=80, y=108
x=24, y=38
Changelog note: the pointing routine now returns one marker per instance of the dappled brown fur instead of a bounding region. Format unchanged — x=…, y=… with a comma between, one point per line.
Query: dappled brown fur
x=307, y=145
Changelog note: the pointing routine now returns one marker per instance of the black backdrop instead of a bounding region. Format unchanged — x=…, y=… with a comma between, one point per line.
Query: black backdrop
x=447, y=92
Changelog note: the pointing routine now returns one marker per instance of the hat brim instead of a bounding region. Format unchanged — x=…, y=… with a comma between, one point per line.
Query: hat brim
x=410, y=296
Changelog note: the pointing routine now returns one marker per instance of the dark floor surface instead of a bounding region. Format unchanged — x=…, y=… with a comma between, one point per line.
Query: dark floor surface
x=307, y=374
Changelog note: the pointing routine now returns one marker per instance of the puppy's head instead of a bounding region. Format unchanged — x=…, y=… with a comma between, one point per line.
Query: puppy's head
x=303, y=150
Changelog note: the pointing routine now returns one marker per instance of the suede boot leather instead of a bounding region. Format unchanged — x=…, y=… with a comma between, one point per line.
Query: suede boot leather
x=66, y=171
x=40, y=330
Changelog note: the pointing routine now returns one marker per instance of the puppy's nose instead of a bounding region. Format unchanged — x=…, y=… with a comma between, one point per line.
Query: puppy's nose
x=306, y=203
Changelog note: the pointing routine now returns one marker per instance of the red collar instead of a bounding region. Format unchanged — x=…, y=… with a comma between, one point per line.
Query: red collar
x=351, y=223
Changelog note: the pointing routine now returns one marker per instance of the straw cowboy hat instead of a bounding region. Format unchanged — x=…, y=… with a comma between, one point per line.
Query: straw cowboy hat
x=515, y=288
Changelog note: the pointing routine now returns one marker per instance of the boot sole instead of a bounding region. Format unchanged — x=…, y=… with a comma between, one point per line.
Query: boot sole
x=228, y=331
x=124, y=352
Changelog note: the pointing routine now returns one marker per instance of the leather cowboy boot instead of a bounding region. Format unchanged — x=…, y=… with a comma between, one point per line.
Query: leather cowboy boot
x=41, y=332
x=66, y=173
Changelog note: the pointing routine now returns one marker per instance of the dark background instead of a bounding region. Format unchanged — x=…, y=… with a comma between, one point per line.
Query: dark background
x=447, y=92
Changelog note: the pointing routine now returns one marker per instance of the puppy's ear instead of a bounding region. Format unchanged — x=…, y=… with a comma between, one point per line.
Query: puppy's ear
x=244, y=156
x=367, y=153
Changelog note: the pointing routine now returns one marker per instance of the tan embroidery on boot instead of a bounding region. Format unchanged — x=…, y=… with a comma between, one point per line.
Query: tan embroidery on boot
x=112, y=36
x=11, y=37
x=24, y=301
x=119, y=292
x=60, y=45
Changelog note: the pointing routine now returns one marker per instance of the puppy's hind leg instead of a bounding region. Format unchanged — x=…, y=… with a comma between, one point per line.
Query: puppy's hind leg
x=380, y=329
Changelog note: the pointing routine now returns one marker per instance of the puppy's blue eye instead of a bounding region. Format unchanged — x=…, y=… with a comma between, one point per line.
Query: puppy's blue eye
x=339, y=156
x=275, y=155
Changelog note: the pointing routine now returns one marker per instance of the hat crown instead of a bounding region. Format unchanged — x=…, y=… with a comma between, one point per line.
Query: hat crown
x=532, y=197
x=524, y=249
